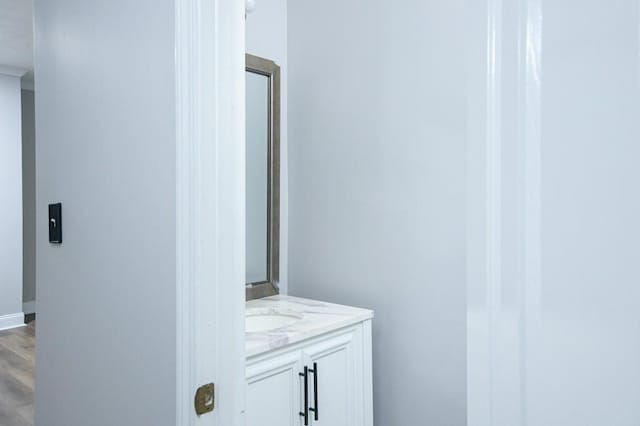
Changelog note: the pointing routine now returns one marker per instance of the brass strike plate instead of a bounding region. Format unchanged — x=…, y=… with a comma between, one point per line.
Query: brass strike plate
x=205, y=399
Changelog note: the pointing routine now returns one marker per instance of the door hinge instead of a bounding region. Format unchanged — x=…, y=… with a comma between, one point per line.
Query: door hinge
x=205, y=399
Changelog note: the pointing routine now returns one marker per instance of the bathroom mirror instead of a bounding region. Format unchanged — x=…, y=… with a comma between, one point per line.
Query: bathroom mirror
x=262, y=177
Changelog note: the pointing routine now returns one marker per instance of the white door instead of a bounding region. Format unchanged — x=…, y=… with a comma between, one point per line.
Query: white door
x=554, y=300
x=335, y=380
x=586, y=333
x=274, y=389
x=151, y=181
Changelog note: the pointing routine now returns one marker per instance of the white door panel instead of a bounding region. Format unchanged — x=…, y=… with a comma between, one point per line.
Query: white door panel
x=338, y=375
x=554, y=300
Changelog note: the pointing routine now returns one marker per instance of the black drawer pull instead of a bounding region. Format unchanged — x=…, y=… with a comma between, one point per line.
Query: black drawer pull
x=315, y=392
x=305, y=414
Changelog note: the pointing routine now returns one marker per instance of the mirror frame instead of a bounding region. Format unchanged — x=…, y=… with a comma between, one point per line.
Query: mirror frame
x=268, y=68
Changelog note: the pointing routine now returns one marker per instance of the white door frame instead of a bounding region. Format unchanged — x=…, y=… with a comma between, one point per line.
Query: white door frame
x=503, y=240
x=209, y=37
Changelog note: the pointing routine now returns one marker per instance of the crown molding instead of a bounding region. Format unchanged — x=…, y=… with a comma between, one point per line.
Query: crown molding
x=13, y=71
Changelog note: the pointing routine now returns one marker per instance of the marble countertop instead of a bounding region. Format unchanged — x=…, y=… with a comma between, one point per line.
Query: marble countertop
x=317, y=318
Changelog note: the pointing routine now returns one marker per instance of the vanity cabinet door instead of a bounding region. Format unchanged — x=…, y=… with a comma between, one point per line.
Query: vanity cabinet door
x=274, y=391
x=338, y=368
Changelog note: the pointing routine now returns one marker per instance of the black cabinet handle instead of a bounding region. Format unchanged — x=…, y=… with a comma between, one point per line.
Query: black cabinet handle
x=305, y=414
x=315, y=391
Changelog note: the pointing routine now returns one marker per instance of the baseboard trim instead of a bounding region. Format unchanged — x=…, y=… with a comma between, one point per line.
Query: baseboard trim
x=29, y=307
x=11, y=321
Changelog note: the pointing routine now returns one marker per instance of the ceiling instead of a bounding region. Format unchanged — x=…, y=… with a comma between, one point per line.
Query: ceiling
x=16, y=34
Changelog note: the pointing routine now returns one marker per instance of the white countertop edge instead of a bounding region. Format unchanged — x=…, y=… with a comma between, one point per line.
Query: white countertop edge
x=299, y=337
x=355, y=316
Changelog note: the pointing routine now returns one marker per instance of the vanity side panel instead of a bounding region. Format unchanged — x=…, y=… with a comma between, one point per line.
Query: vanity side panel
x=367, y=373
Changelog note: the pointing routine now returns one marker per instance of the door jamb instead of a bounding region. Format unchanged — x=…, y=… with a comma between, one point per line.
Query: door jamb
x=209, y=90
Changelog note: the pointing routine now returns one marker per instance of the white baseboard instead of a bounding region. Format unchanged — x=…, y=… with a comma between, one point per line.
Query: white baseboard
x=11, y=321
x=29, y=307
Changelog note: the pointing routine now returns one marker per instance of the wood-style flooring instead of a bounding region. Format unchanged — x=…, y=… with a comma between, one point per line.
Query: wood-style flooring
x=17, y=356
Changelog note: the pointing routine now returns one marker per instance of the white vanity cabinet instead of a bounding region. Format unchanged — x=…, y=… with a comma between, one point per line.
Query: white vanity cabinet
x=273, y=390
x=339, y=383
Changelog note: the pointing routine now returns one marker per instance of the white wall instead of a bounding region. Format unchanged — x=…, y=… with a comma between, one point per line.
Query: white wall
x=378, y=126
x=29, y=198
x=105, y=120
x=266, y=36
x=11, y=196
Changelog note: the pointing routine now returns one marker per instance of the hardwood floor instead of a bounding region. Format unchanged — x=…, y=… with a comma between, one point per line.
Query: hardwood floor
x=17, y=361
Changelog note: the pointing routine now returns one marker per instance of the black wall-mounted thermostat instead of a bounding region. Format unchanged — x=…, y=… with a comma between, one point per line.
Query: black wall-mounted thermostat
x=55, y=223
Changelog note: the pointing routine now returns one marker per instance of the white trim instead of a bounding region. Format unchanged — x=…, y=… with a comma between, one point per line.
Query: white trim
x=185, y=246
x=504, y=190
x=11, y=321
x=484, y=187
x=209, y=38
x=13, y=71
x=29, y=307
x=531, y=211
x=493, y=205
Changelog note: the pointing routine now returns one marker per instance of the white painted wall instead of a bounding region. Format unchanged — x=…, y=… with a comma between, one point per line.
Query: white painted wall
x=29, y=199
x=378, y=127
x=554, y=326
x=105, y=119
x=11, y=196
x=266, y=36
